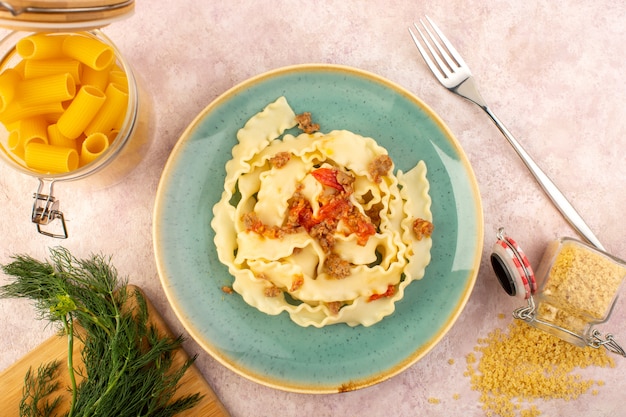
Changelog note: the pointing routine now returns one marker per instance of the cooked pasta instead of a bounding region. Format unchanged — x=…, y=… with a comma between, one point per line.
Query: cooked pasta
x=50, y=159
x=91, y=52
x=112, y=110
x=317, y=225
x=54, y=88
x=92, y=147
x=81, y=111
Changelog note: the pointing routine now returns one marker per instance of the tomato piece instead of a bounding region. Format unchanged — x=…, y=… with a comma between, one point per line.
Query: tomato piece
x=305, y=218
x=364, y=230
x=391, y=290
x=334, y=210
x=327, y=177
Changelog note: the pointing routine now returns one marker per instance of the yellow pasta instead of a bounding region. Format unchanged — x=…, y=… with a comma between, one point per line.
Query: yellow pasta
x=56, y=138
x=322, y=228
x=81, y=111
x=112, y=135
x=113, y=109
x=34, y=68
x=27, y=131
x=47, y=89
x=96, y=78
x=92, y=147
x=19, y=67
x=119, y=77
x=8, y=81
x=64, y=102
x=15, y=111
x=50, y=159
x=41, y=46
x=89, y=51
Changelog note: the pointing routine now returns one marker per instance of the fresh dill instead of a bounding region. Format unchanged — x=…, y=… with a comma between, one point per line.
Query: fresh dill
x=128, y=367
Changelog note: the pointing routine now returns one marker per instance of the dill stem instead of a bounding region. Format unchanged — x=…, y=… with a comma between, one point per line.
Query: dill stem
x=69, y=329
x=110, y=386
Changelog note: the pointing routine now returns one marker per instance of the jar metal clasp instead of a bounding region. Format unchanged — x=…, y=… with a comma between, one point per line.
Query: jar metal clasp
x=46, y=210
x=515, y=274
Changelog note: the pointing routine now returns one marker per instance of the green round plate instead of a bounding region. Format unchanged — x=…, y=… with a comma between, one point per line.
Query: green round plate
x=272, y=350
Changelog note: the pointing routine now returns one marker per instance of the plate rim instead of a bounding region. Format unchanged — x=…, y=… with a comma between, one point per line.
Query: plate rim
x=404, y=363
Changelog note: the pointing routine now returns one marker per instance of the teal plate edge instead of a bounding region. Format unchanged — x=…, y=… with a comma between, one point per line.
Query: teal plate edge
x=272, y=350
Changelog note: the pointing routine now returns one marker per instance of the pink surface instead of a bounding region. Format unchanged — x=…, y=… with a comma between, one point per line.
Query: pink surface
x=551, y=71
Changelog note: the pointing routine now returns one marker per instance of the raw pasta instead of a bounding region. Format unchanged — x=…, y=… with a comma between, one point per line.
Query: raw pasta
x=81, y=111
x=54, y=88
x=41, y=46
x=91, y=52
x=55, y=158
x=71, y=82
x=112, y=110
x=93, y=146
x=35, y=68
x=317, y=225
x=8, y=81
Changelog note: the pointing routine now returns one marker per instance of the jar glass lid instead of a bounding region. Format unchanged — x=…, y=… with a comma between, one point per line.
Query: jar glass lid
x=57, y=15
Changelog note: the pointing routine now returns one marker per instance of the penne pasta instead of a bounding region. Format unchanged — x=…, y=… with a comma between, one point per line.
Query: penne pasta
x=81, y=111
x=56, y=138
x=47, y=89
x=91, y=52
x=92, y=147
x=34, y=68
x=50, y=159
x=113, y=109
x=8, y=81
x=40, y=46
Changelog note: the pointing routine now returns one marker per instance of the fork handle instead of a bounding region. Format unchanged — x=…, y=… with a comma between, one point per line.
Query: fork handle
x=560, y=201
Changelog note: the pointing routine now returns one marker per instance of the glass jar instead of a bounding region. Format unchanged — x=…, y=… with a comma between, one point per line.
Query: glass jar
x=574, y=288
x=128, y=144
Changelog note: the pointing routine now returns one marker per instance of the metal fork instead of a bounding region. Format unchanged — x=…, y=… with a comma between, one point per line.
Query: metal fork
x=450, y=70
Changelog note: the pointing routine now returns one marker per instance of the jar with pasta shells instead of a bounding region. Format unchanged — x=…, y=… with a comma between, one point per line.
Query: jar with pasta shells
x=71, y=107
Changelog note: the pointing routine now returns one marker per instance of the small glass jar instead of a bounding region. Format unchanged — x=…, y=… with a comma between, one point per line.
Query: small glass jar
x=128, y=144
x=574, y=289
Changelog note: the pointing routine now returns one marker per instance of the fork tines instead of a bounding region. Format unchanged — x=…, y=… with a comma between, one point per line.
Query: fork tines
x=439, y=54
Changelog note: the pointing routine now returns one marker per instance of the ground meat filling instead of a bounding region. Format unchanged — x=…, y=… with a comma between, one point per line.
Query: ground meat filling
x=324, y=233
x=379, y=167
x=336, y=267
x=280, y=159
x=252, y=223
x=346, y=180
x=335, y=207
x=306, y=124
x=422, y=228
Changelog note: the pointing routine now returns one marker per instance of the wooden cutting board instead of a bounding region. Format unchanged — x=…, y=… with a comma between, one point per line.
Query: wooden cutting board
x=12, y=379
